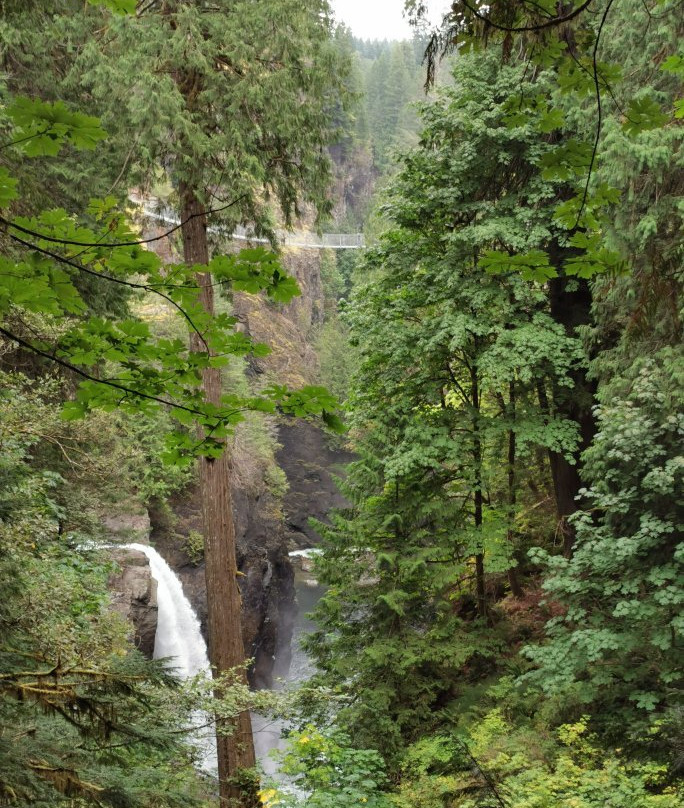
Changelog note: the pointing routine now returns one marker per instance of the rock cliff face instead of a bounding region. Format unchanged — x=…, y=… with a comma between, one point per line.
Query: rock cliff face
x=310, y=462
x=265, y=535
x=266, y=528
x=134, y=596
x=287, y=330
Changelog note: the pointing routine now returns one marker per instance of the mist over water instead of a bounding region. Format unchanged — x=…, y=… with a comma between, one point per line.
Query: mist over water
x=179, y=639
x=267, y=732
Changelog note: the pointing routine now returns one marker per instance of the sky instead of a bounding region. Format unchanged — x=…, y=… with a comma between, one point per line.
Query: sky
x=380, y=19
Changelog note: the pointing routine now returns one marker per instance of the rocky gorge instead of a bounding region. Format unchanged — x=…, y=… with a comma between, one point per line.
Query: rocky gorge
x=271, y=520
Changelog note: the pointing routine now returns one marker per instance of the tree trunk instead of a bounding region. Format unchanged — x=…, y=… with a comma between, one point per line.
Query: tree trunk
x=477, y=458
x=570, y=305
x=226, y=650
x=513, y=579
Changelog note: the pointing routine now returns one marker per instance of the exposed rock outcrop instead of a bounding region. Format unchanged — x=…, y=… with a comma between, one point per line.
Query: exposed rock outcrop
x=127, y=527
x=310, y=462
x=264, y=534
x=134, y=596
x=264, y=538
x=287, y=330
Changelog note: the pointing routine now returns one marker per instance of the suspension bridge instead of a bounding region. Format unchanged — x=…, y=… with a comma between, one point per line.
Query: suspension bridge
x=286, y=238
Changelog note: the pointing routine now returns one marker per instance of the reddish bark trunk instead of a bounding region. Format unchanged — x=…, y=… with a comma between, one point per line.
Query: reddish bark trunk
x=226, y=650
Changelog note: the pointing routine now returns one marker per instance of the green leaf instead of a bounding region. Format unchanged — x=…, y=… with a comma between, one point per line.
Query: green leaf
x=568, y=160
x=117, y=6
x=644, y=700
x=284, y=288
x=643, y=114
x=532, y=266
x=260, y=349
x=673, y=64
x=553, y=118
x=73, y=410
x=334, y=422
x=8, y=188
x=46, y=126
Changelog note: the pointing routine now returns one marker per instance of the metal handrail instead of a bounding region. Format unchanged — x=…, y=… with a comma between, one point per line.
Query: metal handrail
x=297, y=238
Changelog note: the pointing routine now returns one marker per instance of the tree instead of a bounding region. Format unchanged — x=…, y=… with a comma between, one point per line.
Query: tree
x=626, y=534
x=85, y=718
x=445, y=415
x=575, y=43
x=237, y=100
x=161, y=373
x=617, y=643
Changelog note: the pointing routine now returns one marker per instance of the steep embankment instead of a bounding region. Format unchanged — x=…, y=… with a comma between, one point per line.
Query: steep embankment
x=134, y=596
x=306, y=454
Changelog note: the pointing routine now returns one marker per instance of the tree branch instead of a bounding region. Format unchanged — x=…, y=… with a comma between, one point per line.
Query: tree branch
x=554, y=21
x=139, y=242
x=113, y=279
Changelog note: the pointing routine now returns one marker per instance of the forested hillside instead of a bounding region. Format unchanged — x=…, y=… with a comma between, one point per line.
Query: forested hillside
x=502, y=619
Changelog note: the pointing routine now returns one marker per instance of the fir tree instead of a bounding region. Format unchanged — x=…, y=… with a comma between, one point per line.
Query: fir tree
x=446, y=397
x=238, y=101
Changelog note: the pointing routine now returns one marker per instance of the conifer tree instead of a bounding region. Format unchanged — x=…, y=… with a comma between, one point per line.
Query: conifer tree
x=236, y=100
x=446, y=397
x=201, y=94
x=590, y=87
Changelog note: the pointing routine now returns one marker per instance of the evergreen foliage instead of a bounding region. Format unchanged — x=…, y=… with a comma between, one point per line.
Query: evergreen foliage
x=431, y=508
x=76, y=676
x=502, y=625
x=85, y=719
x=533, y=257
x=616, y=646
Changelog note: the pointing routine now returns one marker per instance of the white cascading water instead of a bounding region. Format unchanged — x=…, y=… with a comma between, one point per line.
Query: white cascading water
x=268, y=733
x=180, y=639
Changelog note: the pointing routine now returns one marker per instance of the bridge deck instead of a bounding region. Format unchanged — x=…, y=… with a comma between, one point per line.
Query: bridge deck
x=287, y=238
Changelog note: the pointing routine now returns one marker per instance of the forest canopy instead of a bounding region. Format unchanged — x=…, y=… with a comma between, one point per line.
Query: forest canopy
x=501, y=622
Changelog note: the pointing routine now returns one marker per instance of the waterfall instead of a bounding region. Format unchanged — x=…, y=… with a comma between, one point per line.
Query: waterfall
x=268, y=733
x=179, y=638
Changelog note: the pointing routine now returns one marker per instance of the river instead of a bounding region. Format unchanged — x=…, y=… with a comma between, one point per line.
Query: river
x=267, y=732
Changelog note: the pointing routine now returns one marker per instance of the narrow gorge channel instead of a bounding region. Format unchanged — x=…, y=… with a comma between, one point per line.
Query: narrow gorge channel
x=291, y=669
x=179, y=638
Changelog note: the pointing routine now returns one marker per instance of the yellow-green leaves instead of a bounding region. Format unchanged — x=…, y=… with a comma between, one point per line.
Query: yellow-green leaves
x=567, y=161
x=308, y=400
x=532, y=266
x=37, y=285
x=117, y=6
x=42, y=127
x=8, y=188
x=121, y=362
x=254, y=270
x=594, y=257
x=643, y=114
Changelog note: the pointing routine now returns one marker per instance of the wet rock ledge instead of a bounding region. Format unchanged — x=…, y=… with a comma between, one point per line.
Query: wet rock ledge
x=134, y=596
